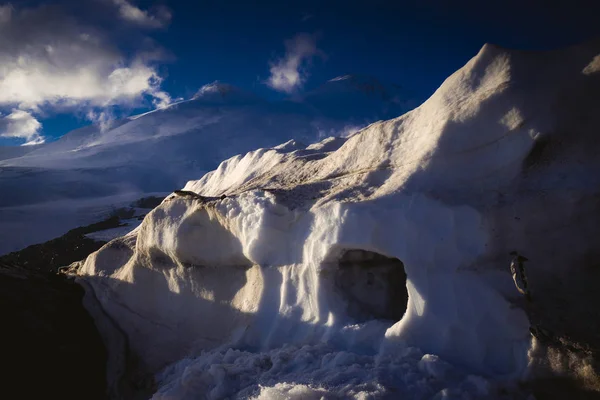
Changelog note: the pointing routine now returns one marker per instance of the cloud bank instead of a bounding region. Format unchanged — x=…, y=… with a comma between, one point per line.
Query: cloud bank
x=50, y=61
x=290, y=72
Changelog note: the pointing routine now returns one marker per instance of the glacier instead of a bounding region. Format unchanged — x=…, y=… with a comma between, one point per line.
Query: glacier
x=374, y=265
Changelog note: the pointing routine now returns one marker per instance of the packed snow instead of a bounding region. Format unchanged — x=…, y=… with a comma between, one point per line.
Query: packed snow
x=161, y=150
x=286, y=277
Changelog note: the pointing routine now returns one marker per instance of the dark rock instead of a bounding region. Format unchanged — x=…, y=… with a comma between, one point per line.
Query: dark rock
x=53, y=254
x=49, y=344
x=149, y=202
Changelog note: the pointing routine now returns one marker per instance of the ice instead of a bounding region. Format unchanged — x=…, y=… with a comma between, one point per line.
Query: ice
x=283, y=286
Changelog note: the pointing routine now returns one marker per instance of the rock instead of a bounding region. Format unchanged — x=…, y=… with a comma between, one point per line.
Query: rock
x=49, y=344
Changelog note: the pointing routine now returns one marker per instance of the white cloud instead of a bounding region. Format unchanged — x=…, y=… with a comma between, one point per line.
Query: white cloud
x=31, y=82
x=21, y=124
x=131, y=13
x=50, y=61
x=102, y=118
x=289, y=73
x=163, y=99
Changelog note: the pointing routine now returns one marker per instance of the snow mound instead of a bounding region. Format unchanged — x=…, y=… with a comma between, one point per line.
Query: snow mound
x=392, y=244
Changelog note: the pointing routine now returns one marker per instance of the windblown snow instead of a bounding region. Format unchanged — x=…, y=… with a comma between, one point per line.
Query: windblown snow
x=374, y=266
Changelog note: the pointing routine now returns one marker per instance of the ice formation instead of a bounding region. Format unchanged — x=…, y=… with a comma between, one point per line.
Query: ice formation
x=294, y=283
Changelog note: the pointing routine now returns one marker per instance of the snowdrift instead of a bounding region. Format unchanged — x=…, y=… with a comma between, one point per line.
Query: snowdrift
x=377, y=265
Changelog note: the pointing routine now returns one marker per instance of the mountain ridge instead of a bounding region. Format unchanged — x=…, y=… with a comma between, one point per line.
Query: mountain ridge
x=159, y=151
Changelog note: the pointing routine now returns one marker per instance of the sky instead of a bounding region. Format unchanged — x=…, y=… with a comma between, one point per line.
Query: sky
x=69, y=63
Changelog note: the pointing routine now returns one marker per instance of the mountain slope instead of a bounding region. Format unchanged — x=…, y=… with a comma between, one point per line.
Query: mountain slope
x=151, y=153
x=359, y=96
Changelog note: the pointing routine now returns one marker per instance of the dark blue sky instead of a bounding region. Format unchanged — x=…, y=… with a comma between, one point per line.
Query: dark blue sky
x=413, y=43
x=416, y=44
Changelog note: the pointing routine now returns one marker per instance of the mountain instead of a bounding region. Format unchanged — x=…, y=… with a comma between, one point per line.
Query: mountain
x=378, y=266
x=85, y=174
x=360, y=96
x=7, y=152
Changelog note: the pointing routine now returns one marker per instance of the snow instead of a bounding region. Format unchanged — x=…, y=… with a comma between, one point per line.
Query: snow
x=247, y=296
x=17, y=151
x=54, y=218
x=107, y=235
x=319, y=371
x=156, y=152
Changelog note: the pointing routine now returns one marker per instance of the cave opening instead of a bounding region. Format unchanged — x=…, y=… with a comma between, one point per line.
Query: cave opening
x=372, y=285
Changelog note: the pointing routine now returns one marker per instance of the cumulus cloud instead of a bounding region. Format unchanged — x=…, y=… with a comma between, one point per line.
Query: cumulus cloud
x=290, y=72
x=23, y=125
x=127, y=11
x=49, y=60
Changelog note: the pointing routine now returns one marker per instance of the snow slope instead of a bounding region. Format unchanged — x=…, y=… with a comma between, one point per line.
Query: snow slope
x=155, y=152
x=291, y=285
x=7, y=152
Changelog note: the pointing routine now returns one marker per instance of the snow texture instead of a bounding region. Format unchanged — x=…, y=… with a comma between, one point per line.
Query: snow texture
x=250, y=296
x=161, y=150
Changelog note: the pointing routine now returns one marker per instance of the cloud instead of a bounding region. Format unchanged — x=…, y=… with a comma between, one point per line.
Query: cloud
x=51, y=61
x=127, y=11
x=23, y=125
x=102, y=118
x=5, y=13
x=306, y=17
x=290, y=72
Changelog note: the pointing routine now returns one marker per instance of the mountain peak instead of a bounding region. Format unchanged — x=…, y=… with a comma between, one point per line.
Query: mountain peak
x=363, y=94
x=220, y=92
x=361, y=83
x=341, y=78
x=215, y=87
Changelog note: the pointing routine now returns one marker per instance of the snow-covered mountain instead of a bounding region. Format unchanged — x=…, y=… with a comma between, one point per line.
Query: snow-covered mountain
x=7, y=152
x=360, y=96
x=74, y=181
x=375, y=266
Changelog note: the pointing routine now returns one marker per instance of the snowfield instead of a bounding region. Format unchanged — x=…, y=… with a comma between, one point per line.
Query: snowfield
x=160, y=151
x=374, y=266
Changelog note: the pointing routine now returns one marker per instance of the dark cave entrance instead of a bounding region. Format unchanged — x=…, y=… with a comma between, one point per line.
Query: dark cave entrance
x=372, y=285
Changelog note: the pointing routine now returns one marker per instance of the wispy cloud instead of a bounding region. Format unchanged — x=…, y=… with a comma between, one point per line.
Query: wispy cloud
x=129, y=12
x=306, y=17
x=50, y=60
x=290, y=72
x=21, y=124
